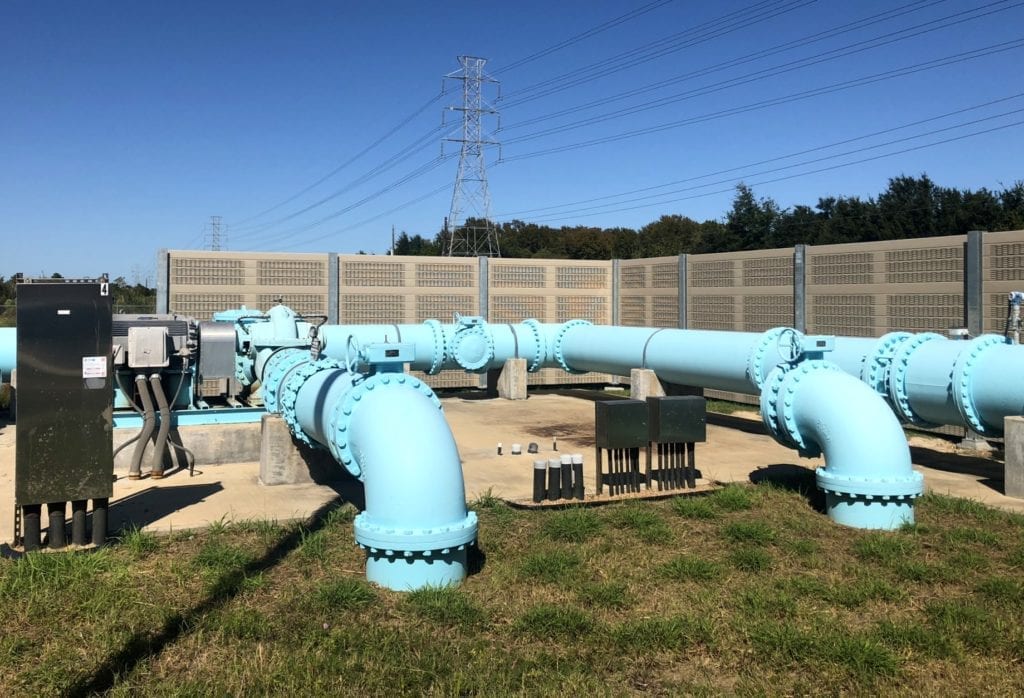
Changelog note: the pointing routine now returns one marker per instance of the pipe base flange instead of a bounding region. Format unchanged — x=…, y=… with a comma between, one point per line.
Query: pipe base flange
x=962, y=393
x=559, y=356
x=882, y=488
x=342, y=415
x=397, y=541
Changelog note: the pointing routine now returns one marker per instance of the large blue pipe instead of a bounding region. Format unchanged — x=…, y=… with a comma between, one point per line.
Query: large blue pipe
x=415, y=528
x=8, y=352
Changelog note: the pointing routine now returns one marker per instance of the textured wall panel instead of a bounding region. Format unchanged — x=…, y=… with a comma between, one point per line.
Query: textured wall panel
x=372, y=274
x=633, y=311
x=186, y=271
x=444, y=307
x=762, y=313
x=450, y=275
x=517, y=276
x=707, y=312
x=925, y=312
x=203, y=305
x=851, y=314
x=593, y=309
x=302, y=303
x=366, y=308
x=283, y=272
x=582, y=277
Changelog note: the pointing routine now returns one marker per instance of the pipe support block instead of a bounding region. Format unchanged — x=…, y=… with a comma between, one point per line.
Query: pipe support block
x=899, y=395
x=963, y=388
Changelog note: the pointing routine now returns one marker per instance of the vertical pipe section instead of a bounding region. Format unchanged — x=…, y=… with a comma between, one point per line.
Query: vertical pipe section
x=57, y=514
x=78, y=521
x=99, y=521
x=31, y=528
x=8, y=352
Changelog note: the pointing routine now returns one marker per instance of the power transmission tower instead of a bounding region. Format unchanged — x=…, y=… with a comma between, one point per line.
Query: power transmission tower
x=472, y=230
x=215, y=237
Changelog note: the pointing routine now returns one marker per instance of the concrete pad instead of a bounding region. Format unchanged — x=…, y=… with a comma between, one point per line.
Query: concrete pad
x=737, y=449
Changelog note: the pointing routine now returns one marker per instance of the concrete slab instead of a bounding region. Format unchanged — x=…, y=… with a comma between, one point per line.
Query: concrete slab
x=737, y=450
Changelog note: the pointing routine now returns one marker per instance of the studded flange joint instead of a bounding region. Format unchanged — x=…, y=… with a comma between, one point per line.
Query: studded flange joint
x=560, y=337
x=962, y=389
x=290, y=393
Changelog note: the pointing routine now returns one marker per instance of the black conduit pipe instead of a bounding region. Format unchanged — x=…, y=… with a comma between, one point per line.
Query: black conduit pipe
x=78, y=517
x=148, y=422
x=57, y=514
x=156, y=466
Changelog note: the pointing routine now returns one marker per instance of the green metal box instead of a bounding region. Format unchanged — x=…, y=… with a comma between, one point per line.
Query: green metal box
x=620, y=423
x=678, y=419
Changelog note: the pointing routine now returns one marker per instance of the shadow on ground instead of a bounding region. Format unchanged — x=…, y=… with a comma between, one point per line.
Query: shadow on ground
x=795, y=478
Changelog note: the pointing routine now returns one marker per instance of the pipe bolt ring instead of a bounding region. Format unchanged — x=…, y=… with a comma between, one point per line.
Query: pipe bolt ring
x=559, y=356
x=900, y=399
x=538, y=339
x=961, y=377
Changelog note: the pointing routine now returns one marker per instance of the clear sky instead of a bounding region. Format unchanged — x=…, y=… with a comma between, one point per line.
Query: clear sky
x=125, y=125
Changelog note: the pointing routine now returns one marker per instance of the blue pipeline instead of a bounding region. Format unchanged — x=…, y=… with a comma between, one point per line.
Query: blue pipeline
x=415, y=528
x=868, y=479
x=8, y=352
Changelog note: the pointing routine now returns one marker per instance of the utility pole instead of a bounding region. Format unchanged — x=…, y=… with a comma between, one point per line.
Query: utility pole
x=392, y=240
x=472, y=230
x=215, y=239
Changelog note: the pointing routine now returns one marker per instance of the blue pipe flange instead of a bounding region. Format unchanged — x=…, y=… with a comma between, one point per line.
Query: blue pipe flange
x=787, y=398
x=962, y=389
x=290, y=393
x=437, y=358
x=756, y=359
x=274, y=371
x=882, y=488
x=898, y=396
x=559, y=356
x=343, y=410
x=770, y=395
x=538, y=343
x=394, y=541
x=472, y=348
x=875, y=369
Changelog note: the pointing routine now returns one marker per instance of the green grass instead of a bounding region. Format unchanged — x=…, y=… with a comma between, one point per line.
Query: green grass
x=573, y=525
x=747, y=591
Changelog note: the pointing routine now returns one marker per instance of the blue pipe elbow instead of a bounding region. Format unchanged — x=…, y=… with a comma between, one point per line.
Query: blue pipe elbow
x=868, y=479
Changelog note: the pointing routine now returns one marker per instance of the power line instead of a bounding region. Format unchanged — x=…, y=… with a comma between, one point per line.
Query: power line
x=830, y=55
x=819, y=170
x=766, y=161
x=365, y=221
x=404, y=154
x=392, y=131
x=649, y=51
x=593, y=31
x=748, y=58
x=797, y=96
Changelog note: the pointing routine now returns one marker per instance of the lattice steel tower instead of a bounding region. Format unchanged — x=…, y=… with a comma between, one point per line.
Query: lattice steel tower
x=471, y=200
x=214, y=235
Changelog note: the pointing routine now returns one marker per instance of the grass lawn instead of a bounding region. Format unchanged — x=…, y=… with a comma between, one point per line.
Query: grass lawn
x=746, y=591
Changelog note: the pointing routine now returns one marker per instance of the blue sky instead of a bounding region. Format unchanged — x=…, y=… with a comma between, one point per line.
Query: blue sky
x=125, y=125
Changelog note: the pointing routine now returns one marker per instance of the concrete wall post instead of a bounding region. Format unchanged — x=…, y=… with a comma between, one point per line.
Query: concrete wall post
x=974, y=304
x=800, y=288
x=682, y=291
x=333, y=288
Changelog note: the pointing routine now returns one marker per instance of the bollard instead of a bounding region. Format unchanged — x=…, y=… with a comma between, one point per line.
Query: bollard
x=554, y=479
x=577, y=475
x=78, y=516
x=540, y=468
x=566, y=476
x=57, y=513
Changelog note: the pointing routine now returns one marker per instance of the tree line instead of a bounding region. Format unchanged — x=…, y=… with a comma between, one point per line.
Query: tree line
x=128, y=298
x=910, y=207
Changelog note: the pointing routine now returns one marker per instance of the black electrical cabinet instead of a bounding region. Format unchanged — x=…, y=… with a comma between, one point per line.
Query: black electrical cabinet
x=65, y=407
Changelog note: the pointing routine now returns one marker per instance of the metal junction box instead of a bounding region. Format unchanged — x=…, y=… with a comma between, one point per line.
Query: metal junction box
x=678, y=419
x=216, y=350
x=621, y=424
x=65, y=396
x=147, y=347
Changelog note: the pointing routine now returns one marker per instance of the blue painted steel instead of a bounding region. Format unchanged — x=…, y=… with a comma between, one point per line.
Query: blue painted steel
x=868, y=479
x=415, y=529
x=8, y=352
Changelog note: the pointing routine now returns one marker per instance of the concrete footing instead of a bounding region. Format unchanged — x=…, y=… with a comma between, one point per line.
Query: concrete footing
x=213, y=444
x=508, y=382
x=284, y=461
x=1013, y=467
x=644, y=383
